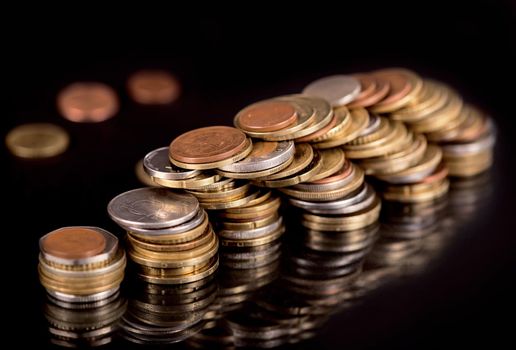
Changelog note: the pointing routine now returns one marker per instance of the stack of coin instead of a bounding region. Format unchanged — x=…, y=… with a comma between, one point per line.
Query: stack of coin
x=81, y=264
x=164, y=314
x=169, y=236
x=84, y=324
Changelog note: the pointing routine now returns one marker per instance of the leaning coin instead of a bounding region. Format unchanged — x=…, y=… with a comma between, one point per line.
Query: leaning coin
x=152, y=208
x=266, y=116
x=302, y=157
x=265, y=155
x=336, y=89
x=37, y=140
x=157, y=164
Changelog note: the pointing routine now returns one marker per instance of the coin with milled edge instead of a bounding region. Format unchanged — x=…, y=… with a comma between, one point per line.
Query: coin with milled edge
x=265, y=155
x=39, y=140
x=337, y=89
x=152, y=208
x=302, y=157
x=157, y=164
x=359, y=121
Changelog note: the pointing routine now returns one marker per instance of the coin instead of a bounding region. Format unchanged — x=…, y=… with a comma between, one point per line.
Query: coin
x=39, y=140
x=153, y=87
x=87, y=102
x=336, y=89
x=73, y=243
x=200, y=181
x=359, y=121
x=265, y=155
x=381, y=89
x=302, y=157
x=142, y=176
x=266, y=116
x=157, y=164
x=152, y=208
x=207, y=145
x=332, y=162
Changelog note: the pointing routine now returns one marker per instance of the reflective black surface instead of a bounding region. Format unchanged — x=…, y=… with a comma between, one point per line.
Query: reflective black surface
x=399, y=301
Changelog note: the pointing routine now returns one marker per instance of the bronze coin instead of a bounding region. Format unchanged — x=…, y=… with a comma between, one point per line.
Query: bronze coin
x=367, y=85
x=153, y=87
x=87, y=102
x=207, y=145
x=381, y=89
x=267, y=116
x=74, y=243
x=400, y=85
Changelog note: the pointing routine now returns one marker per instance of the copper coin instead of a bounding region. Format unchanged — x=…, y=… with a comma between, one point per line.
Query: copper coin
x=74, y=243
x=153, y=87
x=400, y=85
x=267, y=116
x=207, y=145
x=367, y=85
x=439, y=173
x=87, y=102
x=381, y=89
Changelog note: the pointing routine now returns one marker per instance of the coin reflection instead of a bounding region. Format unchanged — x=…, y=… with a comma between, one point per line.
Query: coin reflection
x=83, y=324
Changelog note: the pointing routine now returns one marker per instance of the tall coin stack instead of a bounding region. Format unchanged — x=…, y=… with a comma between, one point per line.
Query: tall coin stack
x=169, y=237
x=80, y=264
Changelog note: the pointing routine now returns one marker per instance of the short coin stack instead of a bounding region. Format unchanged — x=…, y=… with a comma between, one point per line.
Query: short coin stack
x=169, y=236
x=81, y=264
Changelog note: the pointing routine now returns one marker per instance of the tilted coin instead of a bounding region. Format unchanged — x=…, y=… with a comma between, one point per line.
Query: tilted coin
x=264, y=155
x=266, y=116
x=207, y=145
x=332, y=162
x=302, y=157
x=39, y=140
x=87, y=102
x=359, y=121
x=157, y=164
x=337, y=89
x=152, y=208
x=153, y=87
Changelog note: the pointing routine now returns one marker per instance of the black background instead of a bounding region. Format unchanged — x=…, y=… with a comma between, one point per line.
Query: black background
x=225, y=62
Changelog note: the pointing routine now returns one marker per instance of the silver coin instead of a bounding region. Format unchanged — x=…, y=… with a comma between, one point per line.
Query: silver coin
x=70, y=298
x=374, y=124
x=352, y=208
x=187, y=226
x=352, y=198
x=157, y=164
x=462, y=149
x=152, y=208
x=336, y=89
x=407, y=179
x=109, y=251
x=265, y=155
x=83, y=306
x=253, y=233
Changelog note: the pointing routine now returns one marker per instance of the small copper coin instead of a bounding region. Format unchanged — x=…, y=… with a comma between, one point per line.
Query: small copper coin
x=341, y=174
x=74, y=243
x=380, y=90
x=207, y=145
x=267, y=116
x=153, y=87
x=399, y=83
x=87, y=102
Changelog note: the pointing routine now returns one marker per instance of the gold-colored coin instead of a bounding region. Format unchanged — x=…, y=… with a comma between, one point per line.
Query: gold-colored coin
x=433, y=192
x=257, y=174
x=302, y=157
x=250, y=225
x=239, y=189
x=392, y=142
x=332, y=161
x=359, y=121
x=343, y=117
x=263, y=195
x=183, y=279
x=39, y=140
x=230, y=203
x=408, y=156
x=433, y=96
x=253, y=242
x=205, y=166
x=175, y=272
x=176, y=247
x=451, y=129
x=198, y=181
x=381, y=132
x=222, y=184
x=348, y=222
x=266, y=208
x=304, y=175
x=324, y=196
x=439, y=118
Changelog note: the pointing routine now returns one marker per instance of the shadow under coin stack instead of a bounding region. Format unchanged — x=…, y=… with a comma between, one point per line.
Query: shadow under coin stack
x=164, y=314
x=169, y=237
x=82, y=268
